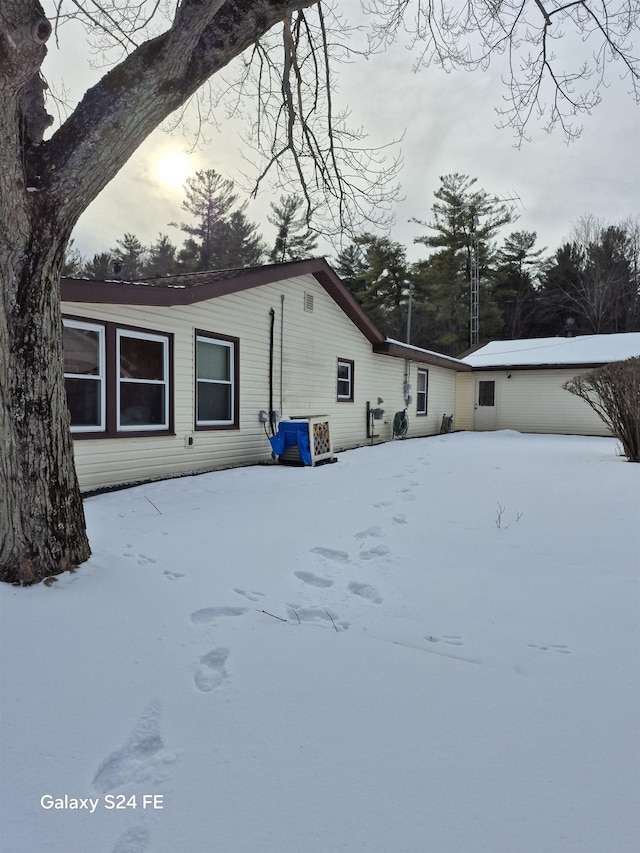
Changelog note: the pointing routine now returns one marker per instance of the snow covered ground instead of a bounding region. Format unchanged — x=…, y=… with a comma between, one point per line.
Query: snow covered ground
x=430, y=646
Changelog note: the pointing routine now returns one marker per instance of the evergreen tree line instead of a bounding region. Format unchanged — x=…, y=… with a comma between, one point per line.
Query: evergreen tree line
x=591, y=284
x=219, y=236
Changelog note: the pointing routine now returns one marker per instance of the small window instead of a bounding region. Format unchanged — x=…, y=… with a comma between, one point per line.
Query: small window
x=345, y=380
x=216, y=362
x=422, y=392
x=486, y=393
x=84, y=375
x=143, y=381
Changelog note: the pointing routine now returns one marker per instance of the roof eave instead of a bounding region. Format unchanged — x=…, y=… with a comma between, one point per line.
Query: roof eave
x=557, y=366
x=424, y=357
x=162, y=293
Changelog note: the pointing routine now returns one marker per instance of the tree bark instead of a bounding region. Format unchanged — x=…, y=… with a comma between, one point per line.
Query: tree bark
x=44, y=187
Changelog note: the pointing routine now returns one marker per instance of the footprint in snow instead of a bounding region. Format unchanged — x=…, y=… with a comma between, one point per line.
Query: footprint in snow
x=317, y=614
x=560, y=648
x=371, y=532
x=210, y=672
x=331, y=554
x=400, y=518
x=141, y=559
x=313, y=580
x=172, y=576
x=135, y=840
x=252, y=596
x=143, y=758
x=365, y=590
x=211, y=614
x=377, y=551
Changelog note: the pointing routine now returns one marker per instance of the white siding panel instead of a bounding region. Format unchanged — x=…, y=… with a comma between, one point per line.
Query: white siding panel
x=535, y=401
x=313, y=342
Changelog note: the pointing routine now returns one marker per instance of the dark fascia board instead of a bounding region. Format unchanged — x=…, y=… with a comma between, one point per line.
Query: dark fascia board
x=502, y=368
x=422, y=356
x=197, y=287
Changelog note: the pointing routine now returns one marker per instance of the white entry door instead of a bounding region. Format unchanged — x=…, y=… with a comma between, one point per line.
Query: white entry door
x=486, y=413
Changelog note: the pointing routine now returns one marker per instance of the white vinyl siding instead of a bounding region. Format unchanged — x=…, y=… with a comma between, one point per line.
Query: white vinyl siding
x=535, y=401
x=304, y=381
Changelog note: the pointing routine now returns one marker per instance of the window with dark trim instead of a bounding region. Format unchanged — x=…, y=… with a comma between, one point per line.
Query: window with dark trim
x=345, y=380
x=143, y=381
x=422, y=392
x=118, y=379
x=84, y=375
x=216, y=370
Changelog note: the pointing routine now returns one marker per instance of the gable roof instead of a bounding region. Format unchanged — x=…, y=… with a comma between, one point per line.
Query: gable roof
x=584, y=350
x=196, y=287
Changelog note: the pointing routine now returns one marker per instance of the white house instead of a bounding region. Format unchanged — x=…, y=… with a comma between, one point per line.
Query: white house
x=518, y=384
x=189, y=373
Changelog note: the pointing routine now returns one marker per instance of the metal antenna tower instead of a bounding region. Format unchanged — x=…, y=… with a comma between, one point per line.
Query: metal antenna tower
x=474, y=324
x=474, y=298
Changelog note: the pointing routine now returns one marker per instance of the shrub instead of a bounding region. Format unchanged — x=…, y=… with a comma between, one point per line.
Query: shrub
x=613, y=392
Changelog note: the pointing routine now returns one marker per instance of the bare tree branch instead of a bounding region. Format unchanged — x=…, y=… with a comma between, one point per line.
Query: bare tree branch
x=470, y=35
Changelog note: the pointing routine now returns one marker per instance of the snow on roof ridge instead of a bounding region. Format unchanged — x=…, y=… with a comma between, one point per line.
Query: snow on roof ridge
x=422, y=349
x=595, y=349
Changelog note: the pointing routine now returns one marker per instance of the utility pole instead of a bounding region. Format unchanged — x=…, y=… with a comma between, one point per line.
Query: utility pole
x=412, y=287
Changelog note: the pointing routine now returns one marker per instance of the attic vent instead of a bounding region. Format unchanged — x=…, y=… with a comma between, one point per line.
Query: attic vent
x=308, y=302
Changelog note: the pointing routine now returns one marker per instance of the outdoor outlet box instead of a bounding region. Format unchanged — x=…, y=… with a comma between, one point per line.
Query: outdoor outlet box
x=263, y=417
x=188, y=441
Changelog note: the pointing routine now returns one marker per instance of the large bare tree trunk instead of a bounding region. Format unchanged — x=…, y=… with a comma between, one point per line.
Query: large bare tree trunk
x=42, y=529
x=44, y=187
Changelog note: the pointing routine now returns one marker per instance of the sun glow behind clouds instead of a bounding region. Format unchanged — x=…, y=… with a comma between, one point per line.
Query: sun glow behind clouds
x=173, y=169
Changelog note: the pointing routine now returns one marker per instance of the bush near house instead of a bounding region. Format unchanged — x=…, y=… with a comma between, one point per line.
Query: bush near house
x=613, y=392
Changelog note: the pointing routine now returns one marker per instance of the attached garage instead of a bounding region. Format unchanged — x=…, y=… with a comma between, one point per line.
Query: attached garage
x=518, y=384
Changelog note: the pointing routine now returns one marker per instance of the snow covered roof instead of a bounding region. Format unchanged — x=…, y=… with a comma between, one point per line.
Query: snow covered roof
x=584, y=349
x=423, y=351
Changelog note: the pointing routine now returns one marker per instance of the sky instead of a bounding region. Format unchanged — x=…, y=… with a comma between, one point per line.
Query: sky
x=448, y=123
x=444, y=659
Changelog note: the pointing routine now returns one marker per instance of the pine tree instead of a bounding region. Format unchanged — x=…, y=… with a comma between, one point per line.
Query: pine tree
x=351, y=266
x=74, y=263
x=100, y=267
x=376, y=271
x=237, y=243
x=130, y=252
x=461, y=214
x=294, y=240
x=222, y=237
x=592, y=285
x=515, y=289
x=161, y=259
